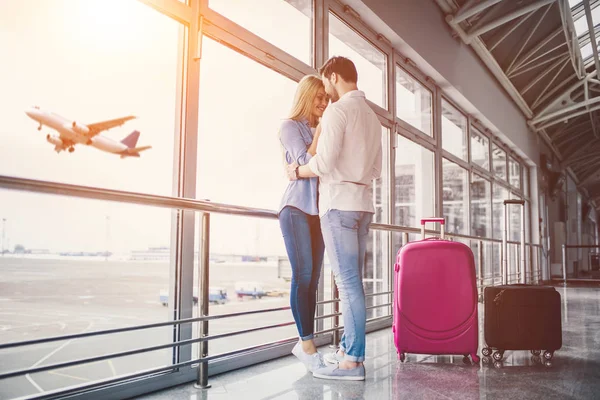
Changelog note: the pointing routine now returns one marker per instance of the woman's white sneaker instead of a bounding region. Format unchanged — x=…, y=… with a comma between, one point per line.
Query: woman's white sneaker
x=312, y=362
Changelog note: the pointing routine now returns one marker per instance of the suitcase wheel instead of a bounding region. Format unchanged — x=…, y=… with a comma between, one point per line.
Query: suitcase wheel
x=486, y=351
x=498, y=355
x=498, y=364
x=548, y=355
x=536, y=360
x=536, y=352
x=402, y=357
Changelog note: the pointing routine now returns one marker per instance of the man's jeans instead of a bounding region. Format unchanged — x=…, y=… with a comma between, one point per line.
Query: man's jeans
x=304, y=245
x=345, y=234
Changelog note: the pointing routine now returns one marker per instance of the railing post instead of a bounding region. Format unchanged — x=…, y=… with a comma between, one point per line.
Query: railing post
x=202, y=305
x=480, y=269
x=335, y=294
x=564, y=264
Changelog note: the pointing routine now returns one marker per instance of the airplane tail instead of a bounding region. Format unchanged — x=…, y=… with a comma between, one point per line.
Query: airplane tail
x=134, y=152
x=131, y=140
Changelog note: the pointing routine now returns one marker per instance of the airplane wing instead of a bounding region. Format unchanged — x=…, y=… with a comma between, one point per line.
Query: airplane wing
x=105, y=125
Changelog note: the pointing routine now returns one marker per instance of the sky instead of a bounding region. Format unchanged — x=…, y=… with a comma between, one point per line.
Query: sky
x=94, y=60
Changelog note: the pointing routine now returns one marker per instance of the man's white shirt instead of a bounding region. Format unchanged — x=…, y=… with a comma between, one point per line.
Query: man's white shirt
x=349, y=155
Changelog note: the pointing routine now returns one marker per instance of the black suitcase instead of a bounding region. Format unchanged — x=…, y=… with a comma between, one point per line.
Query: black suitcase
x=520, y=316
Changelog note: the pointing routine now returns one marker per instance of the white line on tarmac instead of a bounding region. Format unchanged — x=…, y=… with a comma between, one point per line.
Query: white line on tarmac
x=112, y=367
x=30, y=379
x=69, y=376
x=35, y=385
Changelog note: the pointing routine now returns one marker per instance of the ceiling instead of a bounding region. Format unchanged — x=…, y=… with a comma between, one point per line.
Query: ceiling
x=543, y=55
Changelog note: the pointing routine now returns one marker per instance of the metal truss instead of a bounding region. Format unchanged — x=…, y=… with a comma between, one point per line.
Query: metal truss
x=533, y=49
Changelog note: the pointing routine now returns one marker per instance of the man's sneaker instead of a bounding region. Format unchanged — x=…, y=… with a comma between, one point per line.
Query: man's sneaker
x=334, y=372
x=312, y=362
x=333, y=358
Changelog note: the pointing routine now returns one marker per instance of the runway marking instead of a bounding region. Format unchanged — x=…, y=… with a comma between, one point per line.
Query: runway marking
x=35, y=385
x=69, y=376
x=112, y=367
x=30, y=379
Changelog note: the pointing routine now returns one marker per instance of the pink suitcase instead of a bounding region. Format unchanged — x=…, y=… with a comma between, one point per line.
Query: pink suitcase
x=435, y=298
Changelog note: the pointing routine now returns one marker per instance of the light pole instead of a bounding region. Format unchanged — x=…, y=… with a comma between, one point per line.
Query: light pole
x=3, y=235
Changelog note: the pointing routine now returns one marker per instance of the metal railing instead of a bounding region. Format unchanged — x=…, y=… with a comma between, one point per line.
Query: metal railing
x=206, y=208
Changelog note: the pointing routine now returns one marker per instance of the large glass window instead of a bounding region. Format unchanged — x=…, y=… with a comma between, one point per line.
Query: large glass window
x=77, y=265
x=499, y=162
x=85, y=64
x=370, y=62
x=285, y=23
x=481, y=207
x=514, y=172
x=454, y=131
x=455, y=194
x=414, y=102
x=480, y=151
x=414, y=183
x=240, y=160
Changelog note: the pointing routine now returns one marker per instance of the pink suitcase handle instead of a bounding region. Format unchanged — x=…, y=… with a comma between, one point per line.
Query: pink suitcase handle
x=442, y=222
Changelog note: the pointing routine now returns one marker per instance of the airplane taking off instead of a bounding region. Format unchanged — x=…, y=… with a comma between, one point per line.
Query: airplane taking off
x=72, y=133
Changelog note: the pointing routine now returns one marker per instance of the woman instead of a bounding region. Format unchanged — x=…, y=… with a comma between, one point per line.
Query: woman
x=299, y=216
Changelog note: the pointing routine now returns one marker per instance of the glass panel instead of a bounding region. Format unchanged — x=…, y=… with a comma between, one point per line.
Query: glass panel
x=380, y=186
x=500, y=194
x=581, y=26
x=526, y=181
x=249, y=143
x=370, y=62
x=454, y=131
x=376, y=274
x=499, y=162
x=414, y=102
x=515, y=172
x=481, y=207
x=106, y=60
x=480, y=153
x=455, y=189
x=586, y=51
x=414, y=184
x=573, y=3
x=86, y=265
x=249, y=270
x=286, y=24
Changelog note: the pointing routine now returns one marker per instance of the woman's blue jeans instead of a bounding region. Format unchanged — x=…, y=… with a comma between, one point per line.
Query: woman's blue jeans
x=305, y=249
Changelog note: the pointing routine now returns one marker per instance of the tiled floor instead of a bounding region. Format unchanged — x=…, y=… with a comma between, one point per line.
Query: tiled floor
x=573, y=374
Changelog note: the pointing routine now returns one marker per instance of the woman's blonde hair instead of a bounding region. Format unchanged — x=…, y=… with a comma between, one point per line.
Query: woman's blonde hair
x=307, y=90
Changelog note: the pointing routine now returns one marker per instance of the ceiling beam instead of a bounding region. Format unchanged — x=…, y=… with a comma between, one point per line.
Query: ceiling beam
x=565, y=111
x=510, y=30
x=468, y=10
x=508, y=17
x=564, y=60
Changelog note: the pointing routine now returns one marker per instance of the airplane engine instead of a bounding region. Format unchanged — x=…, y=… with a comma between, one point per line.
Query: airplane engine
x=54, y=140
x=82, y=129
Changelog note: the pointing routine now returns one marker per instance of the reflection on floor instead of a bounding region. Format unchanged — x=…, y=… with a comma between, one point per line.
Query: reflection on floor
x=574, y=373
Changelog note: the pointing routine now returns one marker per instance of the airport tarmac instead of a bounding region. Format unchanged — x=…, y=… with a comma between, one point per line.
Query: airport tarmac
x=45, y=298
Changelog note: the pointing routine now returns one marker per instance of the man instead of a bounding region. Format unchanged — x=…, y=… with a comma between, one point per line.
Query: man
x=348, y=159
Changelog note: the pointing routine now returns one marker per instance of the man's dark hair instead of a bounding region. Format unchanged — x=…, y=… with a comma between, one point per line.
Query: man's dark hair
x=342, y=66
